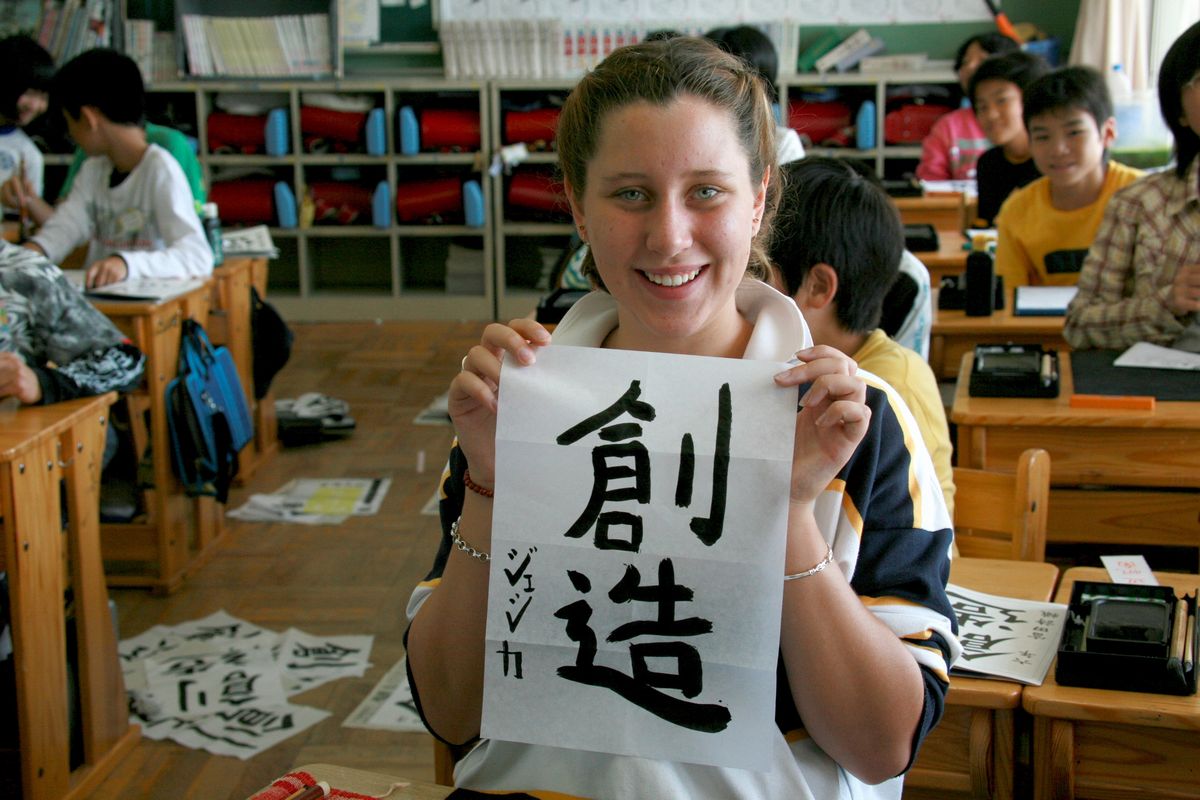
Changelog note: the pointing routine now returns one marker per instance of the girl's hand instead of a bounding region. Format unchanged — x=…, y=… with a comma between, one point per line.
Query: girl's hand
x=15, y=190
x=832, y=421
x=473, y=399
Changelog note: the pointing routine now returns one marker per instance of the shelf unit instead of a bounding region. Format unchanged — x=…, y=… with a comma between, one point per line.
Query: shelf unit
x=358, y=271
x=887, y=160
x=398, y=271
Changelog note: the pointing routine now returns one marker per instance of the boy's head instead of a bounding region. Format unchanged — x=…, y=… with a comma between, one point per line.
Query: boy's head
x=996, y=91
x=752, y=46
x=100, y=81
x=1179, y=96
x=1069, y=116
x=973, y=51
x=25, y=72
x=837, y=243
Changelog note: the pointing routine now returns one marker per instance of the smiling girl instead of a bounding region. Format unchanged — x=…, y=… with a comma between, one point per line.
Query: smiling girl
x=667, y=151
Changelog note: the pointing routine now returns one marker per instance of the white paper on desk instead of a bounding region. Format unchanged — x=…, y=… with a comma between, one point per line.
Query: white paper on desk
x=1129, y=569
x=253, y=241
x=1144, y=354
x=964, y=187
x=1003, y=637
x=550, y=592
x=145, y=288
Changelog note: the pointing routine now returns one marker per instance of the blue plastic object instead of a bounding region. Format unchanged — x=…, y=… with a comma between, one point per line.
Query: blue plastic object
x=285, y=206
x=473, y=204
x=381, y=206
x=376, y=132
x=864, y=126
x=410, y=132
x=276, y=132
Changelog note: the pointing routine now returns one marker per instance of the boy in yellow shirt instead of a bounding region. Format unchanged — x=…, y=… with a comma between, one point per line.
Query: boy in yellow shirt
x=1046, y=228
x=836, y=251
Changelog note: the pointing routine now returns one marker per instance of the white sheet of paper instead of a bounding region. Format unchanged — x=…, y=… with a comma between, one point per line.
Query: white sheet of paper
x=145, y=289
x=1129, y=569
x=1043, y=300
x=1144, y=354
x=1005, y=637
x=307, y=661
x=389, y=706
x=543, y=487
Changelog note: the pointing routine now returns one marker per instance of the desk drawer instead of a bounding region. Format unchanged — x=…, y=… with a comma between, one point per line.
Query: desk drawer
x=1126, y=761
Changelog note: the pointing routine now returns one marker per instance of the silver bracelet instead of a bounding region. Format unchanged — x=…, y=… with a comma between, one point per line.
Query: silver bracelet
x=808, y=573
x=462, y=544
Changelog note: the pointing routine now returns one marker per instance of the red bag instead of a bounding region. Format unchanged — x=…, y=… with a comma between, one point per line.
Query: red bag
x=249, y=201
x=909, y=124
x=821, y=122
x=449, y=129
x=531, y=126
x=240, y=133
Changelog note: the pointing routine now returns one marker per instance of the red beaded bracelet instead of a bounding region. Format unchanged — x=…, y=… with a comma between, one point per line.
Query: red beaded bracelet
x=475, y=487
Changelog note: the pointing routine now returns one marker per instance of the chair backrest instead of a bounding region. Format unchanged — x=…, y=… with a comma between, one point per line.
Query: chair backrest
x=1003, y=515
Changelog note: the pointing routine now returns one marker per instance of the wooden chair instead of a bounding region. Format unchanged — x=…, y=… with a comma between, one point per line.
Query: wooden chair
x=1003, y=515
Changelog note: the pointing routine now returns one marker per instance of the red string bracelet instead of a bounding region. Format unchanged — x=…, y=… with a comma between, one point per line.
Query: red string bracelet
x=475, y=487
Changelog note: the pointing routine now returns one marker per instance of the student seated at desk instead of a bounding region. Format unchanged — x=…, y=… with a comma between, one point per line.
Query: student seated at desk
x=997, y=92
x=1046, y=228
x=956, y=141
x=25, y=72
x=1141, y=278
x=837, y=245
x=131, y=201
x=54, y=345
x=670, y=173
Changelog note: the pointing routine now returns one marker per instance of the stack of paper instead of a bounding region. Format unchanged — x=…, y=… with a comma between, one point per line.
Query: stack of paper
x=253, y=241
x=316, y=501
x=288, y=44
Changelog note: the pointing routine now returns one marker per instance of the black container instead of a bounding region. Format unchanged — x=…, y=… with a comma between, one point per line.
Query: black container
x=981, y=275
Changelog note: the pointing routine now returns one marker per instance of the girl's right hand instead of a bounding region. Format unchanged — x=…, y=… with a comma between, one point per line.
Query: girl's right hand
x=474, y=392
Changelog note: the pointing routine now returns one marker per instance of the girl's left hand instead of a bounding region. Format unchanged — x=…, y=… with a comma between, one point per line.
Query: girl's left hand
x=831, y=422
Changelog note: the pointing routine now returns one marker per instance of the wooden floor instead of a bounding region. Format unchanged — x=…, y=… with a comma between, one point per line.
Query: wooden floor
x=353, y=578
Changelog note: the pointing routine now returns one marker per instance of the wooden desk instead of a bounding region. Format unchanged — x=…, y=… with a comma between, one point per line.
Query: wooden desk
x=161, y=547
x=229, y=324
x=1099, y=743
x=944, y=211
x=374, y=784
x=1120, y=477
x=39, y=447
x=949, y=259
x=953, y=333
x=970, y=753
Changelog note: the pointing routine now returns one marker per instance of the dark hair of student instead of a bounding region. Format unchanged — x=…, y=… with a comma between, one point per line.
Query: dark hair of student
x=24, y=65
x=660, y=34
x=1067, y=88
x=1179, y=66
x=103, y=78
x=1018, y=68
x=752, y=45
x=990, y=43
x=659, y=73
x=832, y=214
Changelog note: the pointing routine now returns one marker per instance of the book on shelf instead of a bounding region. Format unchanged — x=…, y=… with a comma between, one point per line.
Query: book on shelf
x=69, y=27
x=851, y=44
x=265, y=47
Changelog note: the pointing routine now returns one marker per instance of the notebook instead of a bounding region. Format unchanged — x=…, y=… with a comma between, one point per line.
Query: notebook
x=1042, y=301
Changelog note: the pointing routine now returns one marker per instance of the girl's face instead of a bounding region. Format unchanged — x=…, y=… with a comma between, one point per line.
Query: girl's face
x=31, y=105
x=1190, y=96
x=669, y=212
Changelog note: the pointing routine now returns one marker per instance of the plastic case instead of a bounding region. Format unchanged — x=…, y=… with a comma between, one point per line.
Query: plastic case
x=1014, y=370
x=1124, y=637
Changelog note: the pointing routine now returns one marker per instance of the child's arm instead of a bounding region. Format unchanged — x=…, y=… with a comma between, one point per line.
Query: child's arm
x=935, y=153
x=69, y=225
x=1101, y=315
x=185, y=252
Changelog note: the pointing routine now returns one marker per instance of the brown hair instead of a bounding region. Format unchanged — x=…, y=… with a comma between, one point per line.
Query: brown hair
x=658, y=73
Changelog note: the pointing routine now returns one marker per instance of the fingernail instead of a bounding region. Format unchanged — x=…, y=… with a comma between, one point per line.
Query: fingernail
x=807, y=396
x=525, y=355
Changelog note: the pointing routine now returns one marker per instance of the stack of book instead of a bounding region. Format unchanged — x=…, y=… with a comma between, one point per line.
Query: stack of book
x=247, y=47
x=824, y=55
x=464, y=270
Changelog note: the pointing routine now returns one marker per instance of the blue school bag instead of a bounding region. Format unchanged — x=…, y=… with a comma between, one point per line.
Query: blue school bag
x=207, y=415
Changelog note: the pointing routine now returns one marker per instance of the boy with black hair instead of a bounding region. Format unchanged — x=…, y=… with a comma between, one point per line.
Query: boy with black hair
x=836, y=249
x=25, y=72
x=130, y=201
x=996, y=90
x=1046, y=228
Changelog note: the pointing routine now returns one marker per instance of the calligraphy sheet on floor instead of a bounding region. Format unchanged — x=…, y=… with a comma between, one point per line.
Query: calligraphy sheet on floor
x=637, y=555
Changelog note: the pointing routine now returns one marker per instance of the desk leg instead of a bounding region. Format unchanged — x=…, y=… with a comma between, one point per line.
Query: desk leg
x=102, y=690
x=1003, y=761
x=1053, y=759
x=33, y=551
x=971, y=446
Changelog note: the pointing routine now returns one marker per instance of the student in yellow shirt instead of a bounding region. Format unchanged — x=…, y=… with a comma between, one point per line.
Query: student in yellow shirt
x=836, y=251
x=1046, y=228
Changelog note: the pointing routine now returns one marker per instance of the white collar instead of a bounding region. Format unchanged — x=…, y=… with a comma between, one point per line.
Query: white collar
x=779, y=328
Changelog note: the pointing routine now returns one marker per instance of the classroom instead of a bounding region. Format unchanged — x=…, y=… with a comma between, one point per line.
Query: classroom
x=264, y=264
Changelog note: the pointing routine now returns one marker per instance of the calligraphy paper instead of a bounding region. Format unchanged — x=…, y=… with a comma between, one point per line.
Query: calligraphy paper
x=1004, y=637
x=637, y=555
